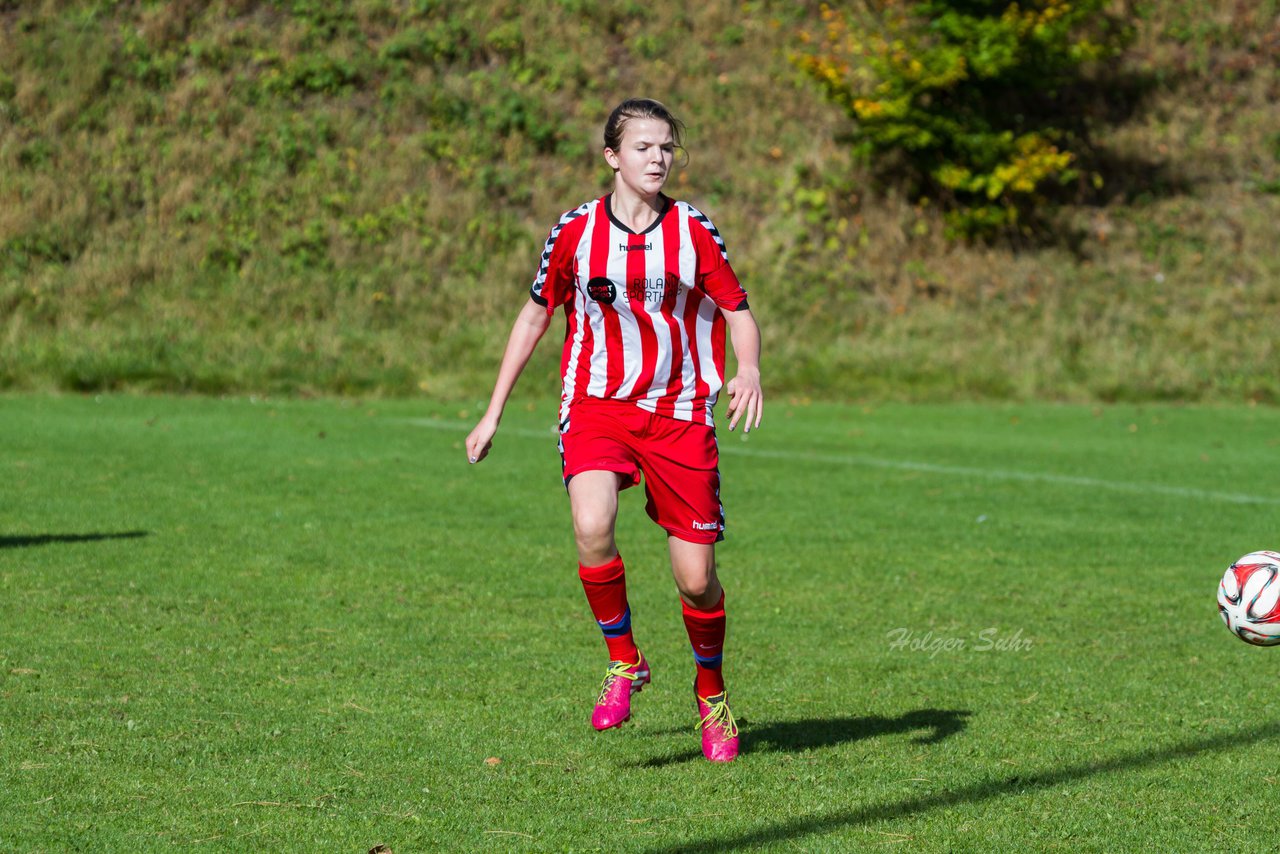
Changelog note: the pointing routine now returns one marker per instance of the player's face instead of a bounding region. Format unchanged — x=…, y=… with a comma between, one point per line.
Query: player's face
x=644, y=157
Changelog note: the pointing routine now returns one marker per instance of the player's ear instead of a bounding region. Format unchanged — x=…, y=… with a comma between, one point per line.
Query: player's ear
x=611, y=158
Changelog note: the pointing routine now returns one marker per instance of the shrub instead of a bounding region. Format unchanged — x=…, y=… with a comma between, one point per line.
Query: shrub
x=967, y=101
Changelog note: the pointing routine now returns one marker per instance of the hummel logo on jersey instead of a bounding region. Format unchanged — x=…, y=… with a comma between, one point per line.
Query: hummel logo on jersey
x=602, y=290
x=705, y=526
x=639, y=247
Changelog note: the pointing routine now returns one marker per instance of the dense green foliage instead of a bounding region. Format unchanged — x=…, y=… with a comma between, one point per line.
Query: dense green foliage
x=310, y=626
x=318, y=197
x=973, y=98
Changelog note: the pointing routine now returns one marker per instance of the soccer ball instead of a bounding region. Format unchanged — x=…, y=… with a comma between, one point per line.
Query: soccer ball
x=1249, y=598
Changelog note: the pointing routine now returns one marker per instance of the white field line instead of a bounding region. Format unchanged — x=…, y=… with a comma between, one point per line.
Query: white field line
x=865, y=461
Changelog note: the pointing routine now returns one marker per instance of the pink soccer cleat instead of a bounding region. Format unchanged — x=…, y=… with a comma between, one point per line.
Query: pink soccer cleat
x=719, y=729
x=621, y=680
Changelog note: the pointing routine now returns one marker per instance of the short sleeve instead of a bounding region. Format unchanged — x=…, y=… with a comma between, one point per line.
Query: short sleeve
x=715, y=275
x=554, y=283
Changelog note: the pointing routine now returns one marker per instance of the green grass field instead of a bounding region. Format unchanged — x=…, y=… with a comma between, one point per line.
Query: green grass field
x=310, y=626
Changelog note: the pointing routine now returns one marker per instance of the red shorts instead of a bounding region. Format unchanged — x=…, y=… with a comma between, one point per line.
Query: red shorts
x=678, y=459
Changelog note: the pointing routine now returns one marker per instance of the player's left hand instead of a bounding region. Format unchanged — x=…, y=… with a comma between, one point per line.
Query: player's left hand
x=746, y=401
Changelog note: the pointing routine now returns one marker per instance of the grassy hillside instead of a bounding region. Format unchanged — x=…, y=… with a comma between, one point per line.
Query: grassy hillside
x=314, y=197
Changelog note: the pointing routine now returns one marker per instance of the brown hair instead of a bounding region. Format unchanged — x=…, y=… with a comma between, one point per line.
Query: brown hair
x=640, y=108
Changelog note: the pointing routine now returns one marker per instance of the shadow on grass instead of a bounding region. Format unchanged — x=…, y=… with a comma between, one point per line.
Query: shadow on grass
x=797, y=736
x=20, y=542
x=1016, y=784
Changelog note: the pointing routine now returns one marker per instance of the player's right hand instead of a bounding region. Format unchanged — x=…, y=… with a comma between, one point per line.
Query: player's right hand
x=481, y=439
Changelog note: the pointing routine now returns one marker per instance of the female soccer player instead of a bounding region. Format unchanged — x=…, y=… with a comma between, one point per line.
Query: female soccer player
x=647, y=292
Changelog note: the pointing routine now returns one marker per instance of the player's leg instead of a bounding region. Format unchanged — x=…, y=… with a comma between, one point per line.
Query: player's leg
x=597, y=465
x=593, y=496
x=593, y=499
x=702, y=600
x=682, y=479
x=694, y=567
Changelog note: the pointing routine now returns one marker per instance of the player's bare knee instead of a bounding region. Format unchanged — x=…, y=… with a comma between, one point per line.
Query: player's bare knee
x=698, y=591
x=594, y=536
x=592, y=524
x=694, y=593
x=596, y=551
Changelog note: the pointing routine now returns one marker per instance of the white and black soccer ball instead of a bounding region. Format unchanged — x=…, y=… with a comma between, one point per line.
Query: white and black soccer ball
x=1249, y=598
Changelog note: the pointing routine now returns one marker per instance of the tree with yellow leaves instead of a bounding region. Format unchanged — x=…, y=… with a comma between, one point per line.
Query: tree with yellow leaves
x=967, y=101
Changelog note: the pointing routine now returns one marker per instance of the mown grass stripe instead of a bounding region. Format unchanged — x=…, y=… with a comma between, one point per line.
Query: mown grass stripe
x=866, y=461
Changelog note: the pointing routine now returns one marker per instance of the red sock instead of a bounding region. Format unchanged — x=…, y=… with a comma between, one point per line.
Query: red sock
x=606, y=589
x=706, y=636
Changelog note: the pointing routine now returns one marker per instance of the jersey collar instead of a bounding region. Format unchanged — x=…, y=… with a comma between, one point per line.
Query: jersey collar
x=657, y=221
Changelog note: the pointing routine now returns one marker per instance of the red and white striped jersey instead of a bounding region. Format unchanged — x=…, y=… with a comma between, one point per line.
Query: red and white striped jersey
x=643, y=311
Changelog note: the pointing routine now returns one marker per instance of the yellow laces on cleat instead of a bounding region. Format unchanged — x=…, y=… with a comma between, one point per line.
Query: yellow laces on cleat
x=719, y=714
x=617, y=670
